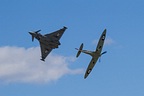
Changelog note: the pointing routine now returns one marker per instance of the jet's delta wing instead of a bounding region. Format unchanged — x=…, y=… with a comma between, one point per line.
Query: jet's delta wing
x=45, y=50
x=58, y=34
x=48, y=42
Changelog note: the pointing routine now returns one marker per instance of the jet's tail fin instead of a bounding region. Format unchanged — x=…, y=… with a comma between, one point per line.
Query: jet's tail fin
x=79, y=50
x=32, y=38
x=33, y=33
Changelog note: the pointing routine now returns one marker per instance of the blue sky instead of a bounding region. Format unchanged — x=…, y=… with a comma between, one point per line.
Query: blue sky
x=120, y=72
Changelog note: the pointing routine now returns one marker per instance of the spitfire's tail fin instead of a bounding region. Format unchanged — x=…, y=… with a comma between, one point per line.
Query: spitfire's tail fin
x=79, y=50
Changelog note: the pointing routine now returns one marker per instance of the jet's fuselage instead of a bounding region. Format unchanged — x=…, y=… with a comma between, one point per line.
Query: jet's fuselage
x=48, y=41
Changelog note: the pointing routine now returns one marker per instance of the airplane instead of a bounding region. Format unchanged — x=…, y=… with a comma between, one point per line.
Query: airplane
x=48, y=41
x=95, y=54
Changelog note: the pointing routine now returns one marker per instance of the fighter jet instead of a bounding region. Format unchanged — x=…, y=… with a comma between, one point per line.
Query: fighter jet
x=48, y=41
x=95, y=54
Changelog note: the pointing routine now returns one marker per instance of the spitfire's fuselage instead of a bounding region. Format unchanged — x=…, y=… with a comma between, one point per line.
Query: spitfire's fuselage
x=91, y=53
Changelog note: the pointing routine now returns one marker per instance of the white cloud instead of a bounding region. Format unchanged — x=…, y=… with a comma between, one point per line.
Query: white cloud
x=108, y=41
x=24, y=65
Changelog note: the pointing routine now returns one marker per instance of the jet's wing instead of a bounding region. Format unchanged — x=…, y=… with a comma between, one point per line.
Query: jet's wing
x=45, y=50
x=101, y=42
x=90, y=66
x=57, y=34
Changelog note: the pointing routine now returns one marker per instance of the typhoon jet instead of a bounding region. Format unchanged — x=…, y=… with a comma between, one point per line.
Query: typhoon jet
x=48, y=41
x=95, y=54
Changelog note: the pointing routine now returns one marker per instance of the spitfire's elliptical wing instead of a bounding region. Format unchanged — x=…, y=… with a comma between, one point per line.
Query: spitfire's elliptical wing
x=90, y=66
x=101, y=42
x=45, y=50
x=98, y=51
x=58, y=34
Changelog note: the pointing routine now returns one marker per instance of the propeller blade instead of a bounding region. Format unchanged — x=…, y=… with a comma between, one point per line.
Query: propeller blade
x=101, y=55
x=104, y=52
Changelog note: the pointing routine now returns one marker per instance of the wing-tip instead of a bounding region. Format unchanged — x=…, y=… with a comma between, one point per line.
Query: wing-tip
x=65, y=27
x=42, y=60
x=85, y=77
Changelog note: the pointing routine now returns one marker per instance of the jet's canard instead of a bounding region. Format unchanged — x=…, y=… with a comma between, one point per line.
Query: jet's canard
x=48, y=42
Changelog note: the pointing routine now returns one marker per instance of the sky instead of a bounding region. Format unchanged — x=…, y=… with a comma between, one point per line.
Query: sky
x=120, y=72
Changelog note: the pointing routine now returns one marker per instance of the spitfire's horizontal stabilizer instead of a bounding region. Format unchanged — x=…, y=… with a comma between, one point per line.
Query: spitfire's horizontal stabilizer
x=79, y=50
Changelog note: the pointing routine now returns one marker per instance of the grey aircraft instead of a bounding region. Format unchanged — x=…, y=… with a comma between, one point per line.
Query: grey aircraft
x=48, y=41
x=95, y=54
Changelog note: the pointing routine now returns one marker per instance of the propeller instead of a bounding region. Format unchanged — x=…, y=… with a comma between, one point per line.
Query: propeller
x=101, y=55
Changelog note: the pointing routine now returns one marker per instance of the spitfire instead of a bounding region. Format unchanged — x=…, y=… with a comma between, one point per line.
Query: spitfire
x=48, y=41
x=95, y=54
